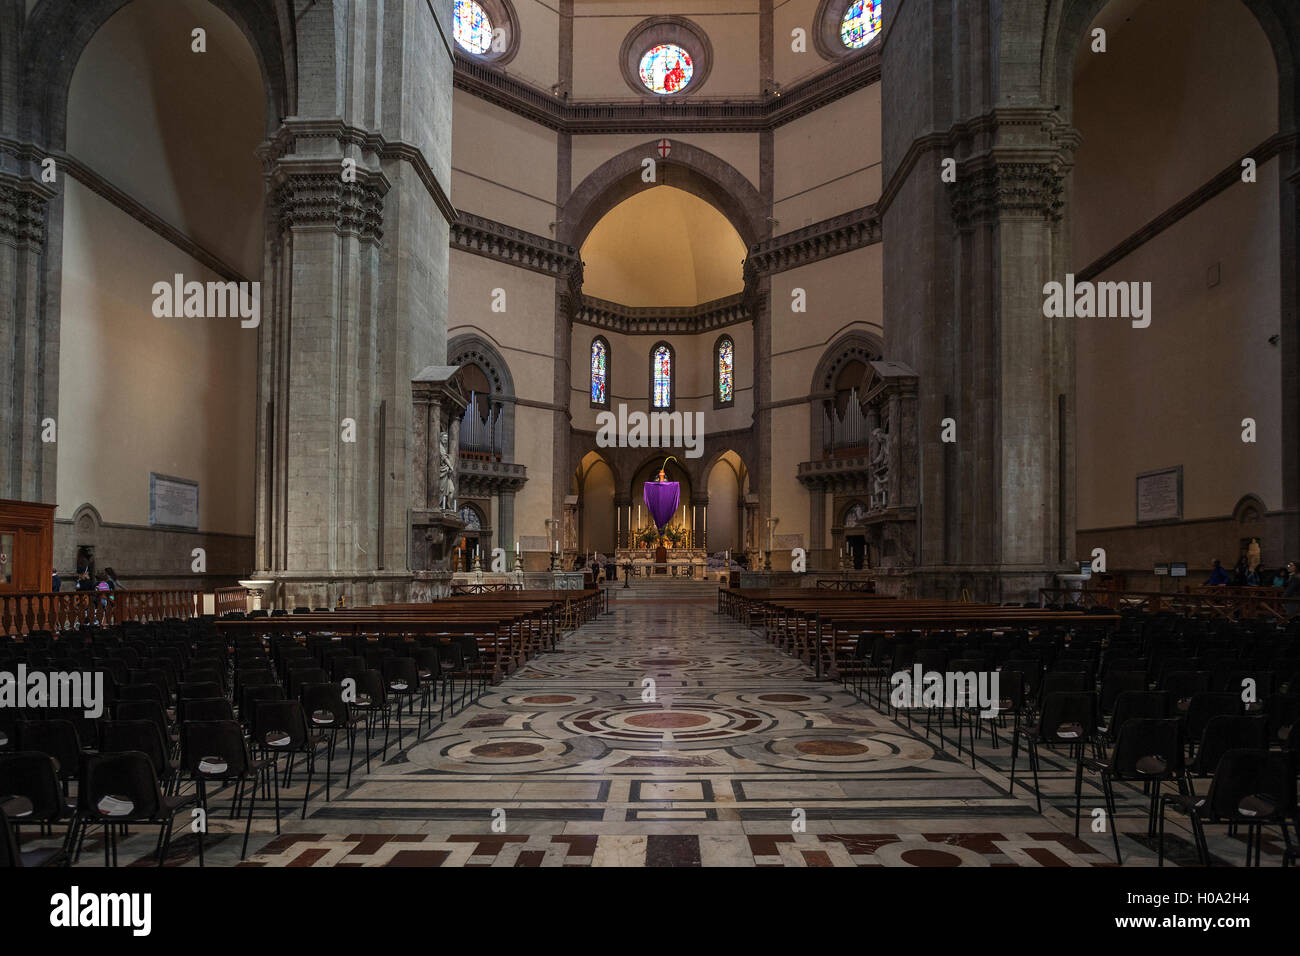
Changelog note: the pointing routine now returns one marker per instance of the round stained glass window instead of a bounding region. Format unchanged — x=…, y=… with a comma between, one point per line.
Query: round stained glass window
x=861, y=23
x=471, y=27
x=666, y=68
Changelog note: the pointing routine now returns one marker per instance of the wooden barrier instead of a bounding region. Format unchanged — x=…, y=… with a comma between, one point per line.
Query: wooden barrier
x=1228, y=603
x=58, y=610
x=226, y=600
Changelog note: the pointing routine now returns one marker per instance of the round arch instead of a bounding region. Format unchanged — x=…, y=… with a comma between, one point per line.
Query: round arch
x=59, y=31
x=689, y=168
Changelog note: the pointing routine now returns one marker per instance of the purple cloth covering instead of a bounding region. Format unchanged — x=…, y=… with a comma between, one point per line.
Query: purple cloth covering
x=662, y=498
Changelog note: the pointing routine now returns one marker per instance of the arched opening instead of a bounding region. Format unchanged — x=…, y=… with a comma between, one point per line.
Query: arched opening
x=728, y=484
x=663, y=247
x=1203, y=249
x=680, y=531
x=596, y=494
x=173, y=136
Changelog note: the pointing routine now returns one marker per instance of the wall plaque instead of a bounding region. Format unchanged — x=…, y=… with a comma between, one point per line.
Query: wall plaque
x=1160, y=495
x=173, y=502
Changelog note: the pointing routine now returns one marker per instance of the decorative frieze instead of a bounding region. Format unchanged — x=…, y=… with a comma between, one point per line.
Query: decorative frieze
x=662, y=321
x=820, y=240
x=485, y=237
x=481, y=479
x=691, y=114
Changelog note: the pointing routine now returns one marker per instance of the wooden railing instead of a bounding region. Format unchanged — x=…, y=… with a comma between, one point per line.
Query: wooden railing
x=56, y=611
x=226, y=600
x=484, y=588
x=1216, y=602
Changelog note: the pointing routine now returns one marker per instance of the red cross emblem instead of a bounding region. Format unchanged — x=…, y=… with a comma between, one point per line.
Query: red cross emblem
x=665, y=148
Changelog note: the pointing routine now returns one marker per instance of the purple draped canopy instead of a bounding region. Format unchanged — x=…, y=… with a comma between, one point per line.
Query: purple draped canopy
x=661, y=498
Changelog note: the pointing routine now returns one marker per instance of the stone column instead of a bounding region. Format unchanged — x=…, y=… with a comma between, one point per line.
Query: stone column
x=28, y=381
x=964, y=271
x=356, y=278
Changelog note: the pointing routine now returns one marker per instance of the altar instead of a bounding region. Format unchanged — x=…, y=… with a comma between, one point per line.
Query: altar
x=675, y=563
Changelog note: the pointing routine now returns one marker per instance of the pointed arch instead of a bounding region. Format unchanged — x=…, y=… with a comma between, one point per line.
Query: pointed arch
x=687, y=167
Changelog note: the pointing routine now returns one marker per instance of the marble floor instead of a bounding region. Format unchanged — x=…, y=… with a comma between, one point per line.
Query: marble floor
x=664, y=734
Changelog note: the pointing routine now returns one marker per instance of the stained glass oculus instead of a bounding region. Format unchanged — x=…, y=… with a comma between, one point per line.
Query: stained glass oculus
x=599, y=364
x=663, y=377
x=726, y=373
x=471, y=26
x=666, y=68
x=861, y=23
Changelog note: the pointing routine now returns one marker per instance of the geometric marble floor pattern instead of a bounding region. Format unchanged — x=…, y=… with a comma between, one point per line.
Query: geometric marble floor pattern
x=664, y=734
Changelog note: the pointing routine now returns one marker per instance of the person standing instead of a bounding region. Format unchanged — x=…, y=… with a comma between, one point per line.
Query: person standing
x=55, y=581
x=1292, y=590
x=1218, y=576
x=113, y=583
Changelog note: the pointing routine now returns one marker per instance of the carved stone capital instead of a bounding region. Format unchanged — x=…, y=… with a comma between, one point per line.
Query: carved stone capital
x=988, y=190
x=22, y=211
x=308, y=196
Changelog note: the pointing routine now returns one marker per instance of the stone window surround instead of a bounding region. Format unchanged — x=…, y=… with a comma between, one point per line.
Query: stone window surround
x=672, y=376
x=717, y=383
x=501, y=14
x=609, y=368
x=665, y=29
x=826, y=30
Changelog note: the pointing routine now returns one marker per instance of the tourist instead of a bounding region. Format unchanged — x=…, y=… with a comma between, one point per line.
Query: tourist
x=83, y=581
x=113, y=583
x=1292, y=590
x=1239, y=573
x=1279, y=578
x=1218, y=576
x=55, y=582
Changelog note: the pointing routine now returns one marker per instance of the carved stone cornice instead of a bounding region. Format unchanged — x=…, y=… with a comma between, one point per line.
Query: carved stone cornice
x=1011, y=133
x=479, y=478
x=295, y=131
x=314, y=195
x=705, y=317
x=688, y=114
x=838, y=475
x=22, y=211
x=496, y=240
x=821, y=240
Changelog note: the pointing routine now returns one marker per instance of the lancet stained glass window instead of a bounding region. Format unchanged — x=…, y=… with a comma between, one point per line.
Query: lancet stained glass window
x=861, y=23
x=471, y=26
x=599, y=367
x=726, y=372
x=663, y=377
x=666, y=68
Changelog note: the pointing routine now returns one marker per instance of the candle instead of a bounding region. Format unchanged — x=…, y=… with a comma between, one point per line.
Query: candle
x=516, y=547
x=557, y=546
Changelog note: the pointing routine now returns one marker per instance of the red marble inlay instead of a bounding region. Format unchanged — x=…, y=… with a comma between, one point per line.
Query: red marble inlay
x=549, y=699
x=929, y=858
x=665, y=662
x=507, y=748
x=783, y=698
x=830, y=748
x=667, y=720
